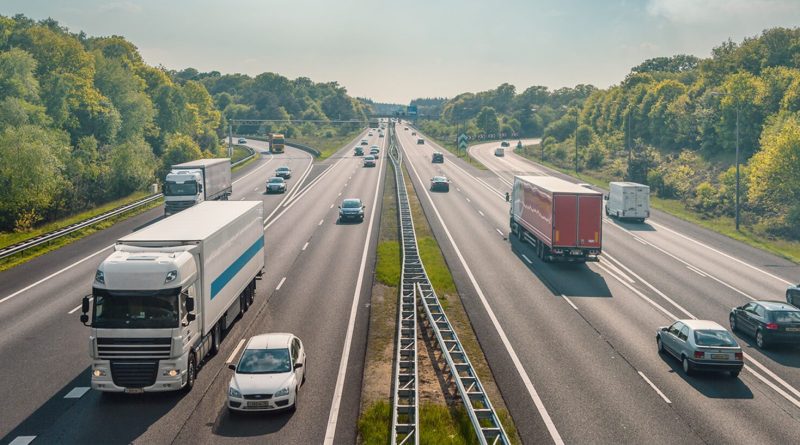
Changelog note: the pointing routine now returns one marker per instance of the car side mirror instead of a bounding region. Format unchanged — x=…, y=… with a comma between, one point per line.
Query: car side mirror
x=298, y=365
x=190, y=304
x=232, y=366
x=665, y=329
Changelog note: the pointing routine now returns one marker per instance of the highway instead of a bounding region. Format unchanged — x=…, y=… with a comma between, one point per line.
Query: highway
x=312, y=287
x=572, y=347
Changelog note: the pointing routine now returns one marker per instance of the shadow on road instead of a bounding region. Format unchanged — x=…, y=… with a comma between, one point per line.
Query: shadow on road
x=568, y=279
x=714, y=385
x=633, y=226
x=250, y=424
x=784, y=354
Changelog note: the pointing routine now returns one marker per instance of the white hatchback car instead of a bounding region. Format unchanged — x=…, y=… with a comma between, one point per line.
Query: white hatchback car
x=269, y=374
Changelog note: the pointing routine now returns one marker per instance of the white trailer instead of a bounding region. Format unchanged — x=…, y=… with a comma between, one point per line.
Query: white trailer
x=628, y=200
x=162, y=299
x=193, y=182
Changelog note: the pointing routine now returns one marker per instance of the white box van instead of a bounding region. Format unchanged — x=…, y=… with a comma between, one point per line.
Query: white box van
x=499, y=152
x=628, y=200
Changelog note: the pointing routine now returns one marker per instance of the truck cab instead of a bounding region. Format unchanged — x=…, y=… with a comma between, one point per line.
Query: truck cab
x=182, y=189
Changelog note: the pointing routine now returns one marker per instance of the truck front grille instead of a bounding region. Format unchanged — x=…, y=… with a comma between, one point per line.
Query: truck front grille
x=134, y=348
x=134, y=374
x=177, y=206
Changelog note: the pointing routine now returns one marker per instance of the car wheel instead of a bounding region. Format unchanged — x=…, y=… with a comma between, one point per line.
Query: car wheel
x=660, y=345
x=191, y=373
x=296, y=400
x=735, y=374
x=760, y=340
x=733, y=323
x=687, y=367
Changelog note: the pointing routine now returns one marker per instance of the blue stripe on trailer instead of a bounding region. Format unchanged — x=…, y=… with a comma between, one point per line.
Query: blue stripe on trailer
x=225, y=277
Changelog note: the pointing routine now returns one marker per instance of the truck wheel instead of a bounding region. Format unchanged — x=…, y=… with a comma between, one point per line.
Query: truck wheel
x=242, y=304
x=191, y=373
x=216, y=337
x=252, y=295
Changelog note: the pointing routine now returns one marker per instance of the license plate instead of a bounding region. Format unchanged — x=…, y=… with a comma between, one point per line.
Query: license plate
x=258, y=404
x=793, y=329
x=576, y=252
x=719, y=356
x=134, y=390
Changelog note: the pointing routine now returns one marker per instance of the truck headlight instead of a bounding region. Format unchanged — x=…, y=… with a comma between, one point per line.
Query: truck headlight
x=283, y=392
x=98, y=373
x=233, y=392
x=171, y=372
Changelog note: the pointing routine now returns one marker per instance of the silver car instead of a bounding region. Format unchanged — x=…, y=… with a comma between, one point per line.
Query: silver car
x=701, y=345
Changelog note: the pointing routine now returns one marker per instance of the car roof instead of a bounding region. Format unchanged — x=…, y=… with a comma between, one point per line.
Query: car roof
x=440, y=178
x=270, y=341
x=776, y=305
x=283, y=167
x=703, y=325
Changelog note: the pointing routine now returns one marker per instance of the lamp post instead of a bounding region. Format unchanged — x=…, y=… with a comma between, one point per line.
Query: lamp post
x=736, y=205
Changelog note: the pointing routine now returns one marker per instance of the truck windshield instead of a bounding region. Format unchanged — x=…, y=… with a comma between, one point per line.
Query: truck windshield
x=175, y=189
x=277, y=141
x=136, y=309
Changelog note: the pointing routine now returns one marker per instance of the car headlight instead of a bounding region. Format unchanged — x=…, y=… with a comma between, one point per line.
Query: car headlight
x=233, y=392
x=281, y=393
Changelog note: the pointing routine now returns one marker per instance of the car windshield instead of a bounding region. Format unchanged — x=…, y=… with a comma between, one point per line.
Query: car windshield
x=786, y=316
x=439, y=179
x=275, y=180
x=714, y=338
x=175, y=189
x=264, y=361
x=351, y=204
x=283, y=169
x=135, y=309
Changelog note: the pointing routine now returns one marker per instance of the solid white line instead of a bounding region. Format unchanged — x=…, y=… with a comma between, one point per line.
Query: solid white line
x=772, y=374
x=255, y=170
x=481, y=213
x=77, y=392
x=54, y=274
x=79, y=306
x=697, y=271
x=721, y=253
x=527, y=259
x=304, y=246
x=296, y=189
x=791, y=399
x=669, y=314
x=22, y=440
x=500, y=232
x=569, y=301
x=537, y=401
x=320, y=222
x=333, y=418
x=611, y=266
x=640, y=240
x=281, y=283
x=655, y=388
x=235, y=351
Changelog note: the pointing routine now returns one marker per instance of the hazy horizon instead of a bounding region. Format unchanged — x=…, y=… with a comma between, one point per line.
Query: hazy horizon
x=395, y=52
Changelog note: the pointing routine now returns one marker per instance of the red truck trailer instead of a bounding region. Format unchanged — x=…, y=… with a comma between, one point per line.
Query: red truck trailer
x=562, y=220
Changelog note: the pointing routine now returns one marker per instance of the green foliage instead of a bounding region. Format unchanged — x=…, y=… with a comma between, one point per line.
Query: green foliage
x=487, y=121
x=774, y=181
x=387, y=266
x=179, y=149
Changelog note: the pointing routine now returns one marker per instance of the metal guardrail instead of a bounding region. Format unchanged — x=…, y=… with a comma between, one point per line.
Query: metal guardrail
x=55, y=234
x=479, y=408
x=405, y=412
x=50, y=236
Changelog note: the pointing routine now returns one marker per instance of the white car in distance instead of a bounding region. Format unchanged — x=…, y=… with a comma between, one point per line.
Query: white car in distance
x=268, y=375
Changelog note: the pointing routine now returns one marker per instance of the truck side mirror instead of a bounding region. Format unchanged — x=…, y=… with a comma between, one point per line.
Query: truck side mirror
x=84, y=319
x=199, y=188
x=85, y=304
x=191, y=317
x=605, y=197
x=190, y=304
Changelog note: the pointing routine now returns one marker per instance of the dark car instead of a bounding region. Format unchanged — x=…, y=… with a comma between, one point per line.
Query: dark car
x=358, y=151
x=283, y=172
x=440, y=183
x=793, y=295
x=242, y=140
x=769, y=322
x=276, y=185
x=505, y=144
x=438, y=158
x=420, y=141
x=351, y=209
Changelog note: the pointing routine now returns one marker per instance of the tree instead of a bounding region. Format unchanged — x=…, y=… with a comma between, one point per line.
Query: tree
x=17, y=68
x=179, y=148
x=132, y=167
x=773, y=181
x=487, y=121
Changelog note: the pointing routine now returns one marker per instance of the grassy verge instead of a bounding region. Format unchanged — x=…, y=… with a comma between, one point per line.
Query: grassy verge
x=15, y=260
x=722, y=225
x=9, y=238
x=327, y=146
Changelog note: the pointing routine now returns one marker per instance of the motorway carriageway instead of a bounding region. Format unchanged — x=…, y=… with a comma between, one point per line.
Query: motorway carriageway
x=572, y=347
x=312, y=287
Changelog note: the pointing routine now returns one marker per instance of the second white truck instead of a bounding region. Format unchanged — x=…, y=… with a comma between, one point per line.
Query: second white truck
x=161, y=301
x=628, y=200
x=193, y=182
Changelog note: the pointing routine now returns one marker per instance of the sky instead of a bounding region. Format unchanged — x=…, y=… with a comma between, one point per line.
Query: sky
x=395, y=51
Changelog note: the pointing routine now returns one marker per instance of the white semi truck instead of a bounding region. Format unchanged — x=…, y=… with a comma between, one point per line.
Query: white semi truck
x=193, y=182
x=161, y=301
x=628, y=200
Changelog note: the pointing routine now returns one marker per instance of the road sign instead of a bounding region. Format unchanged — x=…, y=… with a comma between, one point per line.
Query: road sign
x=412, y=110
x=462, y=141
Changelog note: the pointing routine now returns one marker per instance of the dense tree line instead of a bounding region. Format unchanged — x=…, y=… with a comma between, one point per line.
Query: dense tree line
x=671, y=123
x=83, y=120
